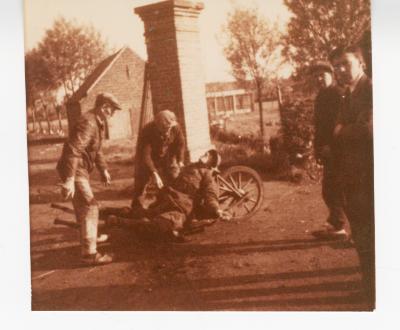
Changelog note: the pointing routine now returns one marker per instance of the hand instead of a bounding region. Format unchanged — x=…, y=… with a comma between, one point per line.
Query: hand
x=224, y=215
x=337, y=130
x=106, y=178
x=68, y=188
x=157, y=179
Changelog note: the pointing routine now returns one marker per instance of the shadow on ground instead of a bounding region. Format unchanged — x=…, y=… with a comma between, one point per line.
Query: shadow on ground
x=163, y=282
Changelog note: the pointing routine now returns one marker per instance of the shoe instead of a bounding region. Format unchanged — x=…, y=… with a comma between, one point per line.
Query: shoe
x=113, y=221
x=194, y=224
x=331, y=233
x=102, y=238
x=177, y=237
x=97, y=259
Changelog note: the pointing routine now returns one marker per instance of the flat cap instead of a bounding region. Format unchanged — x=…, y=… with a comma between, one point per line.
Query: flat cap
x=107, y=98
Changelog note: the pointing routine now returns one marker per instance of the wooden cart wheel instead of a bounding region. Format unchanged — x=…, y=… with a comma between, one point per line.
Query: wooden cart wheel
x=240, y=191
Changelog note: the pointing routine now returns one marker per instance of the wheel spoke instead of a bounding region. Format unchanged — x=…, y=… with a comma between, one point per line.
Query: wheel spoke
x=251, y=190
x=231, y=202
x=240, y=180
x=225, y=189
x=247, y=183
x=246, y=207
x=224, y=198
x=233, y=182
x=252, y=200
x=226, y=183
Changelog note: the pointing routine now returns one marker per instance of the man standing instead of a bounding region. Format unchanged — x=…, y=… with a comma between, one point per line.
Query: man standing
x=354, y=138
x=326, y=110
x=81, y=153
x=159, y=143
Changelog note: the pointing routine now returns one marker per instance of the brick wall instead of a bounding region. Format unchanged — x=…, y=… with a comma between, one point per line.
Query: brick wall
x=124, y=79
x=176, y=72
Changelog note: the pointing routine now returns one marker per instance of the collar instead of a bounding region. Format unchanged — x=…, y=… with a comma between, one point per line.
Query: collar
x=353, y=86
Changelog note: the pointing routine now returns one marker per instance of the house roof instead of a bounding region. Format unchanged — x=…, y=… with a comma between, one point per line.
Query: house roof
x=96, y=75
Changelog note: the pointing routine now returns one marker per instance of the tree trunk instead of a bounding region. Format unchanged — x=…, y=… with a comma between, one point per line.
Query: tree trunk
x=48, y=118
x=46, y=110
x=40, y=122
x=279, y=96
x=261, y=112
x=33, y=118
x=58, y=110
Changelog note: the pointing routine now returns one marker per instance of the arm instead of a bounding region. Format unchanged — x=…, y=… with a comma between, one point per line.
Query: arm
x=361, y=128
x=77, y=144
x=180, y=145
x=317, y=132
x=101, y=165
x=144, y=148
x=148, y=160
x=210, y=191
x=100, y=161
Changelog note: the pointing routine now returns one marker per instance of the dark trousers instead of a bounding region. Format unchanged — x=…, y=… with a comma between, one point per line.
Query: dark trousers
x=332, y=193
x=359, y=208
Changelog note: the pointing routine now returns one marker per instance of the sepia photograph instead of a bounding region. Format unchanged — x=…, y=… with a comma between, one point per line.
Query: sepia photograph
x=200, y=155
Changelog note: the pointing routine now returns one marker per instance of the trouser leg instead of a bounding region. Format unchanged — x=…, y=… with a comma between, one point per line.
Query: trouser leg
x=332, y=194
x=360, y=211
x=168, y=222
x=87, y=213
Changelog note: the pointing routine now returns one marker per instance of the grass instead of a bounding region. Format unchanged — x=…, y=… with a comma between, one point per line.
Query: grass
x=248, y=124
x=239, y=144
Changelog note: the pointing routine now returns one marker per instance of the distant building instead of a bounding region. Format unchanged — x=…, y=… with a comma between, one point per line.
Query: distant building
x=121, y=74
x=228, y=98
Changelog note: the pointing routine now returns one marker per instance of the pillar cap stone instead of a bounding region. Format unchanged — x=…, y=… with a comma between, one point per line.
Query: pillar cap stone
x=182, y=4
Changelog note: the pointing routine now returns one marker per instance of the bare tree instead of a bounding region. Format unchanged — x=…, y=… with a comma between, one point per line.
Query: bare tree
x=253, y=49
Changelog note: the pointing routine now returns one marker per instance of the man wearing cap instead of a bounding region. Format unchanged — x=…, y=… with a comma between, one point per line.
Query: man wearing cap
x=326, y=108
x=160, y=142
x=81, y=153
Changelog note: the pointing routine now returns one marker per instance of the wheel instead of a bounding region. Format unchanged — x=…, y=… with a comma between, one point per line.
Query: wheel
x=240, y=191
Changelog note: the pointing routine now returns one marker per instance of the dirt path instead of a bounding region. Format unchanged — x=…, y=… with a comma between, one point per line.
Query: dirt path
x=270, y=262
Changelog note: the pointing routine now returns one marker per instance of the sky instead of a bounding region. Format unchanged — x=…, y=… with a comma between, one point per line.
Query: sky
x=118, y=24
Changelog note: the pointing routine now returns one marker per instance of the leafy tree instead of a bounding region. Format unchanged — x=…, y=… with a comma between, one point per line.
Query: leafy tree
x=253, y=49
x=71, y=51
x=39, y=84
x=319, y=26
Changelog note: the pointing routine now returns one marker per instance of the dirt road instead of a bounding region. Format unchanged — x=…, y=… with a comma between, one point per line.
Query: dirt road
x=270, y=262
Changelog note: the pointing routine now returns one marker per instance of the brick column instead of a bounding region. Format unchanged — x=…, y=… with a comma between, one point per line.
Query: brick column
x=175, y=68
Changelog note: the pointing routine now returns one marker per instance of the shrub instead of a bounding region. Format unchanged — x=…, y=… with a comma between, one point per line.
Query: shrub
x=230, y=137
x=297, y=134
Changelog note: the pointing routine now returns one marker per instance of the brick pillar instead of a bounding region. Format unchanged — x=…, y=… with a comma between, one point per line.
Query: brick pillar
x=175, y=68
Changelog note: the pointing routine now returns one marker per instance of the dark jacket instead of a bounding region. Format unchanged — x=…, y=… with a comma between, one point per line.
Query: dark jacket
x=82, y=152
x=155, y=151
x=355, y=139
x=326, y=109
x=194, y=189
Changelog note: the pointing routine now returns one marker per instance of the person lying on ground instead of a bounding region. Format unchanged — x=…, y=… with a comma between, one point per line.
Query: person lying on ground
x=189, y=193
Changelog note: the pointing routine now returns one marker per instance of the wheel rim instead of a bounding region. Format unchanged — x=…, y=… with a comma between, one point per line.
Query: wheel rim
x=240, y=193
